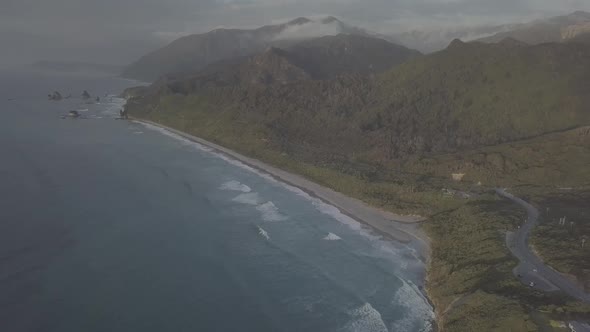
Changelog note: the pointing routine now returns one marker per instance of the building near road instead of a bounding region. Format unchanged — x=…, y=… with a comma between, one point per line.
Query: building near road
x=458, y=176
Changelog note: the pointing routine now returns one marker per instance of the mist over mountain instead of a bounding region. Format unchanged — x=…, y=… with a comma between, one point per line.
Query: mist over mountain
x=468, y=96
x=431, y=40
x=194, y=52
x=555, y=29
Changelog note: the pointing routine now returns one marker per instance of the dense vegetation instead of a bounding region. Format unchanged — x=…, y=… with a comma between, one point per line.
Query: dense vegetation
x=195, y=52
x=565, y=246
x=505, y=115
x=554, y=29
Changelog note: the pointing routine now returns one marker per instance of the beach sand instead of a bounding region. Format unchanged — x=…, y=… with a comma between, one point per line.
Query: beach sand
x=400, y=228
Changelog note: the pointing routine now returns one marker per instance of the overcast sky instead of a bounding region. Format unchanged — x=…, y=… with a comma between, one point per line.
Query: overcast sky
x=117, y=31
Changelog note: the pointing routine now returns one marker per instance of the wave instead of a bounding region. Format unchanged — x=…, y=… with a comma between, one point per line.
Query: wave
x=366, y=319
x=247, y=198
x=411, y=298
x=270, y=212
x=320, y=205
x=114, y=105
x=184, y=141
x=235, y=186
x=332, y=237
x=263, y=233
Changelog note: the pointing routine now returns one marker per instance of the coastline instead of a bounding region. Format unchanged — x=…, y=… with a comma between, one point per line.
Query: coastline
x=396, y=227
x=403, y=229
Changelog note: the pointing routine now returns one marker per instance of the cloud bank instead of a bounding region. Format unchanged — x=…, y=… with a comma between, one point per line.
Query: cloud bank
x=118, y=31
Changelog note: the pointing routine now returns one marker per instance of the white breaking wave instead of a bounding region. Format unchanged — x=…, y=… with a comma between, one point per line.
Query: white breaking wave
x=235, y=186
x=247, y=198
x=263, y=233
x=184, y=141
x=270, y=212
x=114, y=105
x=320, y=205
x=332, y=237
x=333, y=212
x=410, y=297
x=366, y=319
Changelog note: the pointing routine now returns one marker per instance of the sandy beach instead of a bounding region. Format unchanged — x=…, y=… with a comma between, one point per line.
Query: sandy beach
x=400, y=228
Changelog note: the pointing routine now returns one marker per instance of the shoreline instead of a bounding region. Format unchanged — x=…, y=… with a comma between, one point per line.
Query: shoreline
x=404, y=229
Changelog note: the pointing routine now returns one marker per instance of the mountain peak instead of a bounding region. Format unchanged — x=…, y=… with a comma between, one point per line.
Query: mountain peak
x=299, y=21
x=580, y=13
x=456, y=43
x=329, y=19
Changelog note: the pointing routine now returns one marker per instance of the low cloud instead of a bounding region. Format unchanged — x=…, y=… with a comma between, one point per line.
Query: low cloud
x=311, y=29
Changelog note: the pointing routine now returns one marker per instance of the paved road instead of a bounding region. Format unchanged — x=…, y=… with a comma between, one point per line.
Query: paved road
x=531, y=267
x=579, y=327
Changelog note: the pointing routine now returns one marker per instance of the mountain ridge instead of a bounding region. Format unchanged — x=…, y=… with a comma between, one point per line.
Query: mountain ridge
x=195, y=52
x=554, y=29
x=468, y=96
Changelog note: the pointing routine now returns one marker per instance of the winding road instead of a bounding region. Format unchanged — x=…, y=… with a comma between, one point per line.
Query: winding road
x=531, y=268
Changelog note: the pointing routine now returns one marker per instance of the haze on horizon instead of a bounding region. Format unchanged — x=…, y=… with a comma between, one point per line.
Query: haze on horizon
x=118, y=32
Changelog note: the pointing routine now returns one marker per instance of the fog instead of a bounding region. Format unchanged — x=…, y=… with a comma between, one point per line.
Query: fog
x=119, y=31
x=309, y=30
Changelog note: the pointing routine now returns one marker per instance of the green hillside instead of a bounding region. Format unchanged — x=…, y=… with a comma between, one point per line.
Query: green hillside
x=503, y=114
x=468, y=96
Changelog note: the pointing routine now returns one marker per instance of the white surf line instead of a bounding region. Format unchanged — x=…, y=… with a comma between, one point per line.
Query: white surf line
x=263, y=233
x=332, y=237
x=388, y=223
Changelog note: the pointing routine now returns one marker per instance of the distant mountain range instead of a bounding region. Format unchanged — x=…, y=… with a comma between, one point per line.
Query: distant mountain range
x=323, y=58
x=195, y=52
x=555, y=29
x=432, y=40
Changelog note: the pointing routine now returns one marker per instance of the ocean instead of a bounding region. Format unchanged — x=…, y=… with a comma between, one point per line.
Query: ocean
x=111, y=225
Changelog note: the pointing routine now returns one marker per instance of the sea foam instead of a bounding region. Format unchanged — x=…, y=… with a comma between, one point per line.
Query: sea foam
x=247, y=198
x=235, y=186
x=270, y=212
x=332, y=237
x=411, y=298
x=320, y=205
x=366, y=319
x=184, y=141
x=263, y=233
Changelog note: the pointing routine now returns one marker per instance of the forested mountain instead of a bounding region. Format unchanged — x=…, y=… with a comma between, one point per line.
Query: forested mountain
x=468, y=96
x=330, y=56
x=321, y=58
x=195, y=52
x=555, y=29
x=428, y=40
x=504, y=114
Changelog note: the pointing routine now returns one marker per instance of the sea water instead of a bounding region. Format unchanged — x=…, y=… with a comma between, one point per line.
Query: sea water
x=111, y=225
